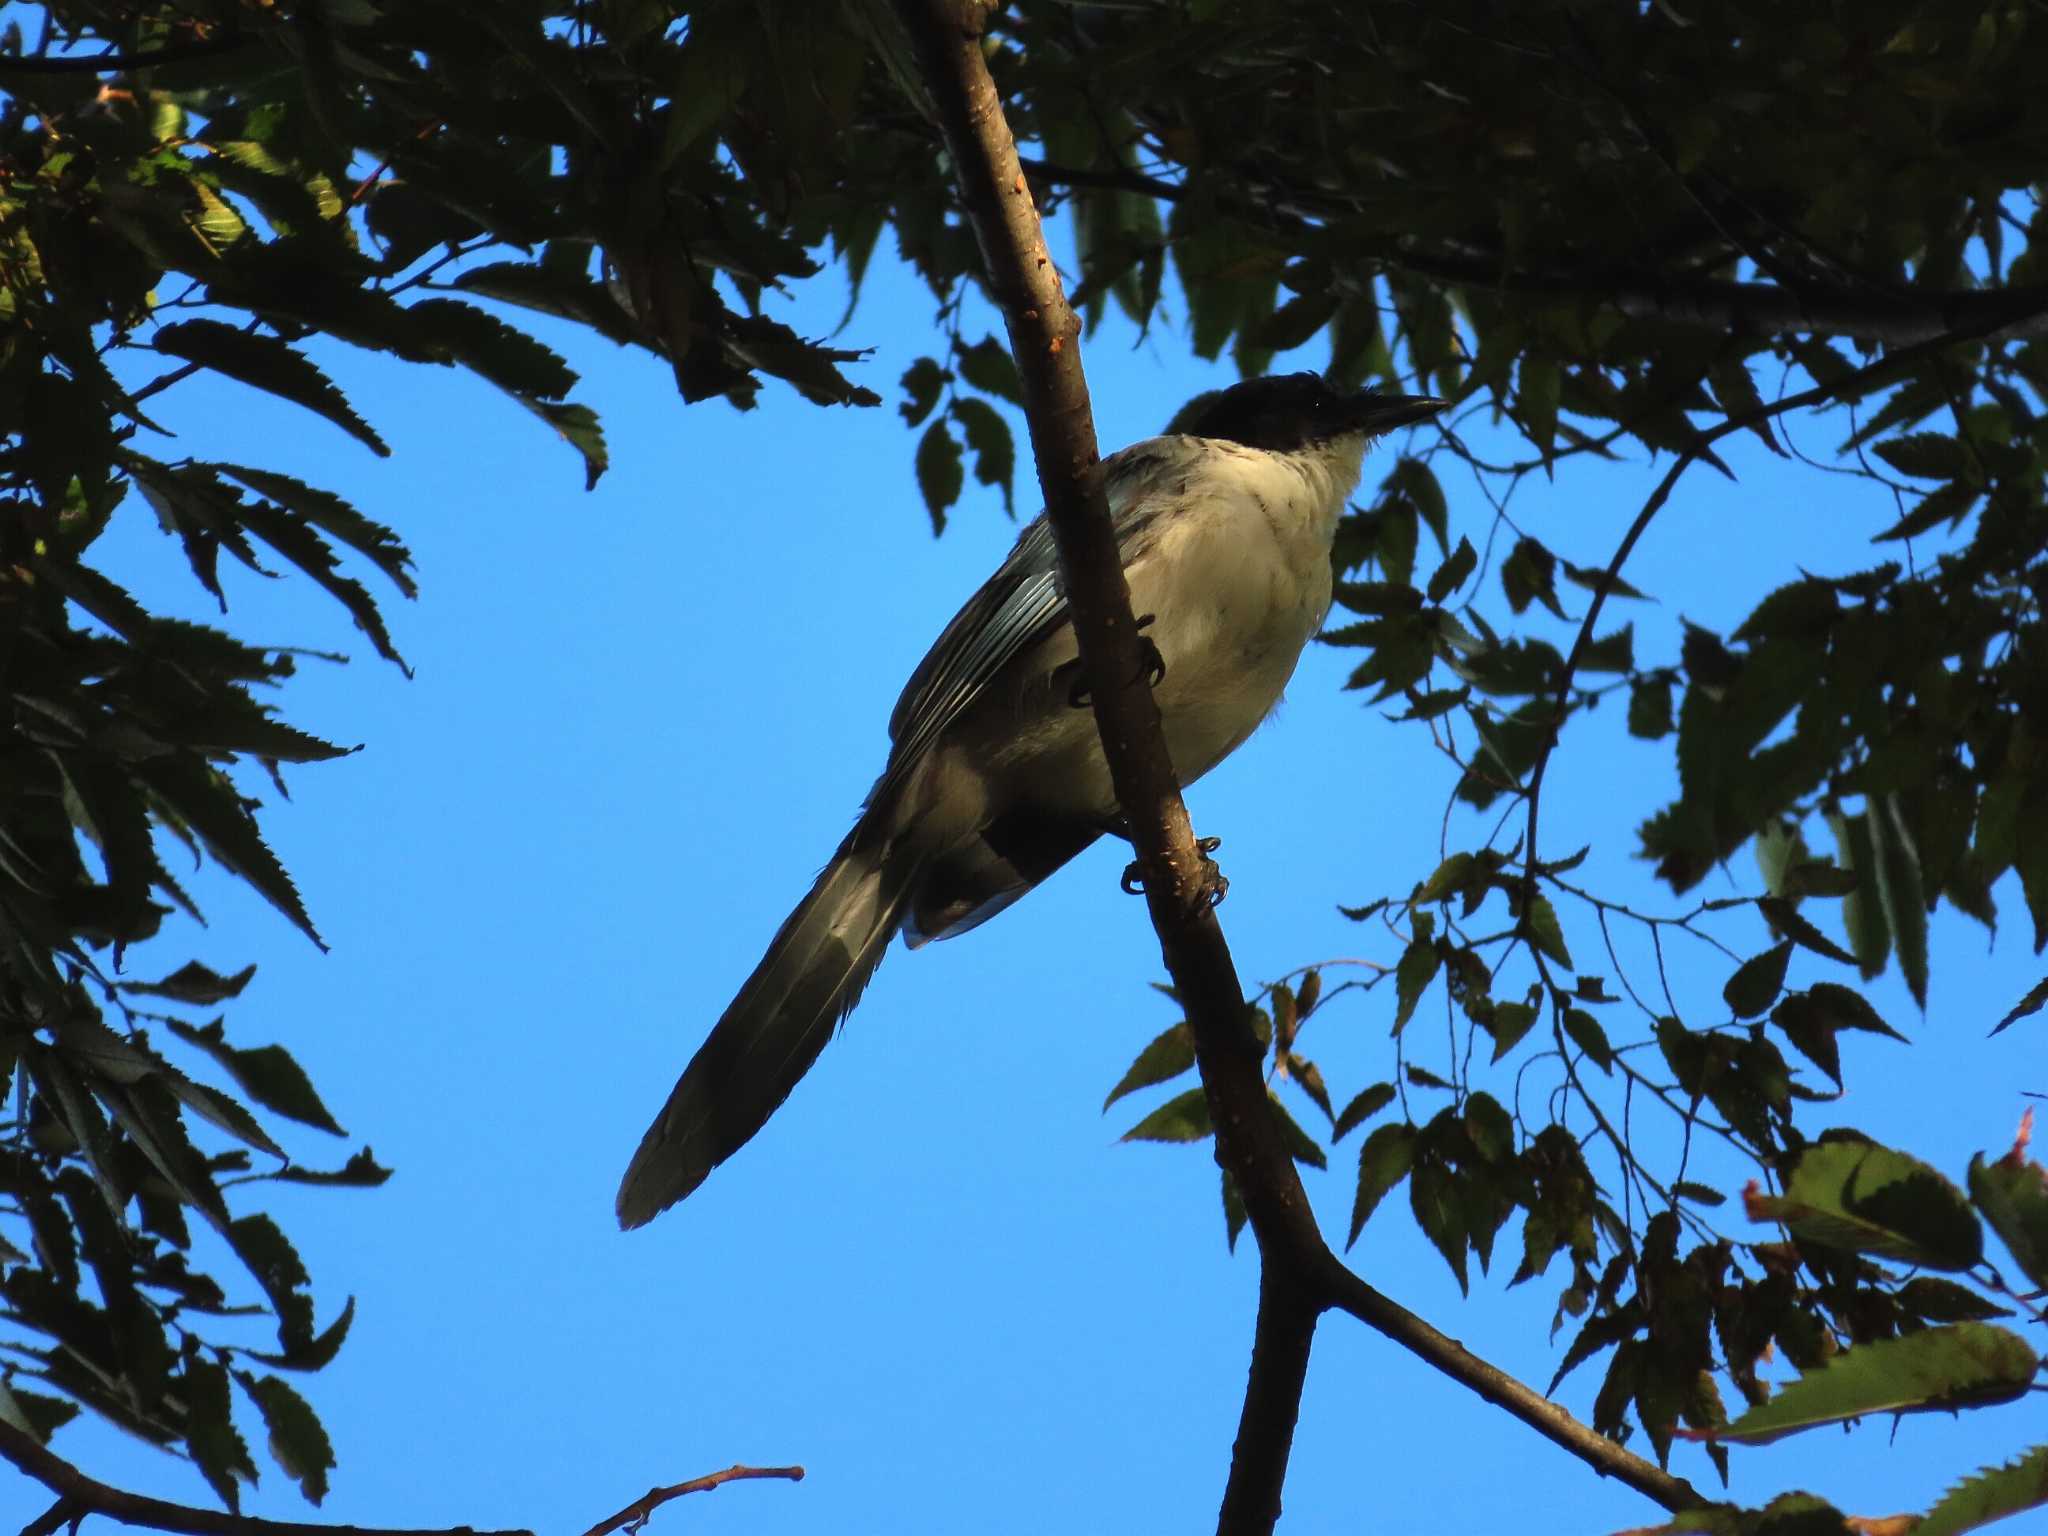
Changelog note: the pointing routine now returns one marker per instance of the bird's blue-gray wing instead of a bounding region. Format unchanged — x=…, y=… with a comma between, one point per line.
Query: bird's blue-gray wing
x=1014, y=610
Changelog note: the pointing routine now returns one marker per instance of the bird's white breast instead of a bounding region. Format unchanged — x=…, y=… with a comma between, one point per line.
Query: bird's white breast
x=1239, y=586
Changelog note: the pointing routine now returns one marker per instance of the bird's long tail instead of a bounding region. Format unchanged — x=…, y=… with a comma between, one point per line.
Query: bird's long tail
x=812, y=975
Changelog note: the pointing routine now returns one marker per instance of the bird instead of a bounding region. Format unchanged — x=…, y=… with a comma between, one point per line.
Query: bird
x=995, y=776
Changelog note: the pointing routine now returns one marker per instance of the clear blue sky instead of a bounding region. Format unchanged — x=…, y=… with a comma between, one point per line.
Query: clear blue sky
x=642, y=719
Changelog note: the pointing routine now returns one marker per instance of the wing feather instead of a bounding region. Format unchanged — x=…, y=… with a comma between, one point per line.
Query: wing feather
x=1017, y=607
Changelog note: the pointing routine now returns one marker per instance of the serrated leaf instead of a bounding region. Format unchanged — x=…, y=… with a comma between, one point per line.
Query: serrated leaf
x=1434, y=1197
x=1303, y=1147
x=1585, y=1032
x=1540, y=926
x=988, y=435
x=266, y=363
x=316, y=1354
x=922, y=382
x=1510, y=1022
x=1989, y=1495
x=987, y=366
x=1846, y=1192
x=1368, y=1102
x=1452, y=573
x=579, y=427
x=2013, y=1195
x=216, y=1446
x=1417, y=968
x=1959, y=1365
x=361, y=1171
x=1863, y=913
x=1649, y=708
x=1899, y=889
x=270, y=1258
x=940, y=476
x=1758, y=981
x=1184, y=1117
x=267, y=1073
x=2031, y=1003
x=1170, y=1053
x=1383, y=1161
x=196, y=984
x=298, y=1442
x=204, y=800
x=1927, y=455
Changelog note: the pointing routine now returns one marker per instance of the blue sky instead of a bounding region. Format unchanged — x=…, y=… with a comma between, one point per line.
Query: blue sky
x=642, y=718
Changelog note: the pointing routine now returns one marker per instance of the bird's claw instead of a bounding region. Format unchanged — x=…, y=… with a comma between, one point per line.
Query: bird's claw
x=1213, y=885
x=1151, y=666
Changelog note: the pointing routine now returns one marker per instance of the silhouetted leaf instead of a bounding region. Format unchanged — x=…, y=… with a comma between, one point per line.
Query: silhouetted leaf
x=1171, y=1053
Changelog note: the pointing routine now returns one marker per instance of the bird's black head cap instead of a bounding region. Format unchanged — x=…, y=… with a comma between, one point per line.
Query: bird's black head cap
x=1291, y=411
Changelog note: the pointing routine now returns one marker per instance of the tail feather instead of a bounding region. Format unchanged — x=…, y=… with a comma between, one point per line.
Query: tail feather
x=814, y=972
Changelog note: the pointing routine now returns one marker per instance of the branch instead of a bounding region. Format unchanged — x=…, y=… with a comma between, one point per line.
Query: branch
x=637, y=1513
x=1272, y=1399
x=1045, y=341
x=79, y=1496
x=1607, y=1457
x=110, y=63
x=1751, y=309
x=1857, y=383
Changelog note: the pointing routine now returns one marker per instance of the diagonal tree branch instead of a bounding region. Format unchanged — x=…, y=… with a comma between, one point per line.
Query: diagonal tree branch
x=1300, y=1277
x=79, y=1496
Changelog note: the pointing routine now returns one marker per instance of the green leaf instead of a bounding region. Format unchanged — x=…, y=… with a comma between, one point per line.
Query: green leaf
x=268, y=364
x=1928, y=455
x=216, y=1446
x=1899, y=890
x=1417, y=968
x=1369, y=1102
x=493, y=350
x=940, y=476
x=1758, y=981
x=1301, y=1146
x=1171, y=1053
x=266, y=1073
x=1383, y=1161
x=1961, y=1365
x=986, y=365
x=1649, y=708
x=315, y=1355
x=2031, y=1003
x=579, y=428
x=1510, y=1022
x=298, y=1442
x=1846, y=1192
x=361, y=1171
x=922, y=383
x=1433, y=1194
x=2013, y=1195
x=269, y=1256
x=334, y=517
x=1184, y=1117
x=203, y=799
x=1585, y=1032
x=196, y=984
x=1417, y=482
x=1540, y=926
x=1863, y=913
x=995, y=452
x=1989, y=1495
x=1452, y=573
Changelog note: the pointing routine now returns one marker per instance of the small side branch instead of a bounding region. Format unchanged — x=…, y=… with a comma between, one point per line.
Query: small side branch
x=114, y=63
x=79, y=1496
x=636, y=1514
x=1607, y=1457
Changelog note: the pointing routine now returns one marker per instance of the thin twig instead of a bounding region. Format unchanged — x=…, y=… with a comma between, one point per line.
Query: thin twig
x=79, y=1496
x=109, y=63
x=637, y=1513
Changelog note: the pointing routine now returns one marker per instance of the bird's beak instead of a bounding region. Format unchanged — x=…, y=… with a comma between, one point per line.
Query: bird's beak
x=1377, y=413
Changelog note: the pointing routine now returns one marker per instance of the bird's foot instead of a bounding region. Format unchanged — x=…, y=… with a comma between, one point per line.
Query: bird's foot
x=1212, y=885
x=1151, y=666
